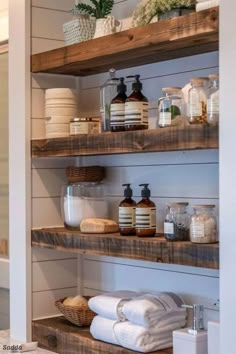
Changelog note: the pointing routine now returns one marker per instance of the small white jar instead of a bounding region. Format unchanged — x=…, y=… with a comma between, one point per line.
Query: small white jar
x=203, y=225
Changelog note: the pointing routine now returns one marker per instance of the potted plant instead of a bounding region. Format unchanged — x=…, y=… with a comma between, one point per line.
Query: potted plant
x=162, y=9
x=100, y=10
x=81, y=28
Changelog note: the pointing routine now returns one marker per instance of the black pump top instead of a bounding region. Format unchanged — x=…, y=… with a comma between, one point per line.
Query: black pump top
x=146, y=193
x=121, y=88
x=128, y=193
x=137, y=85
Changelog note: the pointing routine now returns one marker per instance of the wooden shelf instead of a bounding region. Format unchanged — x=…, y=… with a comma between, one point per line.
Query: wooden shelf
x=191, y=137
x=179, y=37
x=57, y=334
x=155, y=249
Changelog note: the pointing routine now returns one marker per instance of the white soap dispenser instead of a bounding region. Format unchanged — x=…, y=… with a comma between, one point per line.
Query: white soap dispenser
x=192, y=340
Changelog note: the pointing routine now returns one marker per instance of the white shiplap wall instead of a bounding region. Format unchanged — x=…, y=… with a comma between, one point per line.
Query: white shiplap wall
x=190, y=176
x=54, y=274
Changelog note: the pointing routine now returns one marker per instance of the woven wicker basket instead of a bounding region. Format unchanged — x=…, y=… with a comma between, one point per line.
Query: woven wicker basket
x=78, y=315
x=85, y=174
x=79, y=30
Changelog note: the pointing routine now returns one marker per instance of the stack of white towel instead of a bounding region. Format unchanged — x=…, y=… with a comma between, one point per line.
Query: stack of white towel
x=206, y=4
x=141, y=322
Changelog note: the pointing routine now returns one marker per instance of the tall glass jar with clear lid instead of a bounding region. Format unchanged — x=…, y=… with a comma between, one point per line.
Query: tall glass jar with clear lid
x=203, y=225
x=177, y=220
x=213, y=100
x=170, y=106
x=197, y=100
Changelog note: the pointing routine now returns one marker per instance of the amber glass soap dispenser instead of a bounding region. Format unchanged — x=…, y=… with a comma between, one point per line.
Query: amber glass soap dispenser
x=136, y=107
x=145, y=214
x=117, y=123
x=127, y=213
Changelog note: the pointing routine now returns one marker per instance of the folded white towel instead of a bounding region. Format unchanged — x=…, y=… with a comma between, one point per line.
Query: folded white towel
x=132, y=336
x=110, y=305
x=148, y=309
x=207, y=5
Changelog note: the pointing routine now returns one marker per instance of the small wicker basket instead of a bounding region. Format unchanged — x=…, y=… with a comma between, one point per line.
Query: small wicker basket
x=85, y=174
x=78, y=315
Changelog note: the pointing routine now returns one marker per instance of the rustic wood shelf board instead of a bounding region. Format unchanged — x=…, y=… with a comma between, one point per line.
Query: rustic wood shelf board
x=57, y=334
x=191, y=34
x=155, y=249
x=190, y=137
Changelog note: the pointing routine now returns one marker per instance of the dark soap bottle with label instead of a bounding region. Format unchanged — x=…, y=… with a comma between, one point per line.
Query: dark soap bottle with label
x=145, y=214
x=127, y=213
x=136, y=107
x=117, y=122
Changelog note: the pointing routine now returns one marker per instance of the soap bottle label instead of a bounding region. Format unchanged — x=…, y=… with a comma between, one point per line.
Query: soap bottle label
x=117, y=115
x=165, y=118
x=197, y=230
x=145, y=218
x=126, y=217
x=169, y=228
x=136, y=113
x=195, y=107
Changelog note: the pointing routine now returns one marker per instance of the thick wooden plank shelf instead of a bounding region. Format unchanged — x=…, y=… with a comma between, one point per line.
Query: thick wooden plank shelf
x=191, y=137
x=57, y=334
x=155, y=249
x=179, y=37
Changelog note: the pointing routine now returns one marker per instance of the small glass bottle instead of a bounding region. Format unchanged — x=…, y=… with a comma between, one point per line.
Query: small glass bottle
x=107, y=92
x=170, y=106
x=213, y=100
x=118, y=108
x=145, y=214
x=203, y=225
x=136, y=107
x=197, y=101
x=177, y=220
x=127, y=213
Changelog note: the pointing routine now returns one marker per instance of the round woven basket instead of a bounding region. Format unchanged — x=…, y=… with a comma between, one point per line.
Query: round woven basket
x=78, y=315
x=85, y=174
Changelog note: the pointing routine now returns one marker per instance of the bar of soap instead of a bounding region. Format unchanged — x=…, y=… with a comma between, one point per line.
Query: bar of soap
x=75, y=301
x=98, y=226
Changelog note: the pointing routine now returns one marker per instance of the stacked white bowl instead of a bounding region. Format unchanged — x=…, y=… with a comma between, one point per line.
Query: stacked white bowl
x=60, y=108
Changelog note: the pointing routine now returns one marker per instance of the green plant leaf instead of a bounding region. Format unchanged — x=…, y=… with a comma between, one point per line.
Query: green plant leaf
x=87, y=9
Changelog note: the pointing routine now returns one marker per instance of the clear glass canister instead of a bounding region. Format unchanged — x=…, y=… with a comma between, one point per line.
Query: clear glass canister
x=197, y=100
x=213, y=100
x=203, y=225
x=177, y=220
x=170, y=106
x=107, y=92
x=82, y=200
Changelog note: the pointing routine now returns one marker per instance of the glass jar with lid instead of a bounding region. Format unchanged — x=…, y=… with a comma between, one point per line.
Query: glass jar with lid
x=82, y=200
x=203, y=225
x=213, y=100
x=177, y=220
x=170, y=106
x=197, y=100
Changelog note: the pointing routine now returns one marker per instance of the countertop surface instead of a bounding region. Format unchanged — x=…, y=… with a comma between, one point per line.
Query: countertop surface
x=6, y=340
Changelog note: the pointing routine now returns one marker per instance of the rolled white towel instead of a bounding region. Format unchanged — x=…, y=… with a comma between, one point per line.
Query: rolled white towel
x=207, y=5
x=147, y=310
x=110, y=305
x=132, y=336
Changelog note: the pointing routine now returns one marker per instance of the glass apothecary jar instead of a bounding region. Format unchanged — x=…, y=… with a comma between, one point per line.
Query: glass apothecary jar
x=197, y=101
x=170, y=106
x=213, y=100
x=177, y=221
x=82, y=200
x=203, y=225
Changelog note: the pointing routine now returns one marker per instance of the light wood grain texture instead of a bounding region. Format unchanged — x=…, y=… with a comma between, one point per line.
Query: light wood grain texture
x=192, y=34
x=57, y=334
x=155, y=249
x=3, y=247
x=168, y=139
